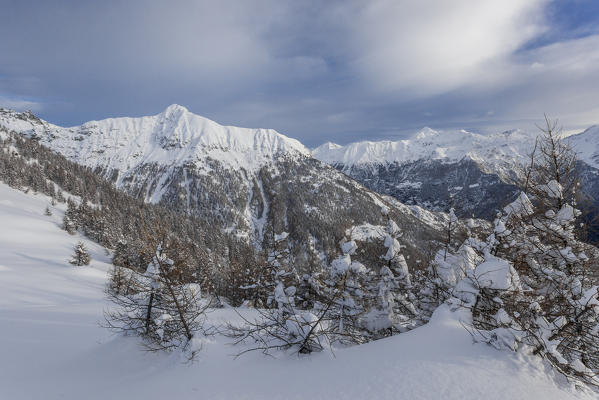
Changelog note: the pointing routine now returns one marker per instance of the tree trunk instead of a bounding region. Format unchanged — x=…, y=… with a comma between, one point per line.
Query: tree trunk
x=149, y=312
x=180, y=311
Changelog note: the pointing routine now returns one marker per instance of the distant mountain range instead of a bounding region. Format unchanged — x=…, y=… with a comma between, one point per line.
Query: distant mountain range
x=471, y=172
x=256, y=183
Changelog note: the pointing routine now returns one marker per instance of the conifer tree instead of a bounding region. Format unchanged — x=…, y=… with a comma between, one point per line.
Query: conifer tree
x=346, y=286
x=81, y=256
x=393, y=308
x=70, y=221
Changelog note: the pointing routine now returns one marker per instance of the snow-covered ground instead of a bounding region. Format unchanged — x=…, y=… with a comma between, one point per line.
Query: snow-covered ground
x=52, y=347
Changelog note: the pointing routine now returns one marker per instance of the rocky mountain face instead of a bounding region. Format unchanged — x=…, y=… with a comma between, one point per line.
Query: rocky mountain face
x=255, y=184
x=438, y=185
x=473, y=173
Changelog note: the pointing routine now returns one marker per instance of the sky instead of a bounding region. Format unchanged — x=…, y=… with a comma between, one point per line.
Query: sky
x=314, y=70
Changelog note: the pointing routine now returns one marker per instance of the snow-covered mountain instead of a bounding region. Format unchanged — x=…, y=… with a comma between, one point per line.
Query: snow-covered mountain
x=493, y=150
x=498, y=151
x=437, y=169
x=252, y=183
x=173, y=137
x=587, y=145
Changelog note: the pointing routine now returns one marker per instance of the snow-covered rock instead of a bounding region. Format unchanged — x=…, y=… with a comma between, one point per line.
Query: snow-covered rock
x=586, y=144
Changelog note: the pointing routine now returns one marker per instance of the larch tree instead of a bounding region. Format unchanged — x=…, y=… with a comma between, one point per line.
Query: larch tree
x=536, y=287
x=159, y=304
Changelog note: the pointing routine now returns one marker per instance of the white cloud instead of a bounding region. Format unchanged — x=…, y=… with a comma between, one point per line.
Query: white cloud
x=311, y=69
x=431, y=47
x=560, y=79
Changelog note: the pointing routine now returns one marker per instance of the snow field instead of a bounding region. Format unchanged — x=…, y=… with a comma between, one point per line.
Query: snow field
x=52, y=347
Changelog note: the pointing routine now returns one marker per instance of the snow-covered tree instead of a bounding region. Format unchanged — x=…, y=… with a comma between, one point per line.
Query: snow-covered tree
x=346, y=287
x=339, y=300
x=452, y=221
x=281, y=323
x=308, y=290
x=436, y=284
x=120, y=280
x=128, y=254
x=259, y=277
x=310, y=282
x=393, y=309
x=68, y=225
x=278, y=273
x=81, y=255
x=47, y=211
x=536, y=287
x=70, y=221
x=160, y=304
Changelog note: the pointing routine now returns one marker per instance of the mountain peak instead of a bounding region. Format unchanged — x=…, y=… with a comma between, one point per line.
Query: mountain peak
x=327, y=146
x=425, y=133
x=175, y=109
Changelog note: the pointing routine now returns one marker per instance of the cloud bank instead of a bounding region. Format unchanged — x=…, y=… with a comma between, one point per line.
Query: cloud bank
x=335, y=70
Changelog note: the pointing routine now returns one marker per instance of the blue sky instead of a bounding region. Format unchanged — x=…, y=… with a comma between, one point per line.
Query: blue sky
x=314, y=70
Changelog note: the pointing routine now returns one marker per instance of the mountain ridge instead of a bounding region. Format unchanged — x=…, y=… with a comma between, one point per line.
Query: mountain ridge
x=192, y=136
x=452, y=145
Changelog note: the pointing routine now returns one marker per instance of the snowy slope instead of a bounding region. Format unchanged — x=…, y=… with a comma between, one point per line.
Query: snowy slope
x=53, y=348
x=587, y=145
x=173, y=137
